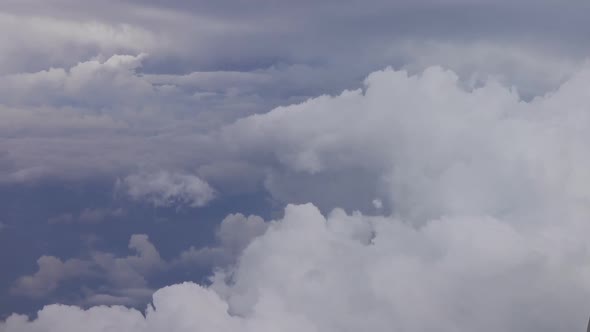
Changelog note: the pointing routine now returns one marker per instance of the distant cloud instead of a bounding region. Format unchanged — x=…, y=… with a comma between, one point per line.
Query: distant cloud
x=52, y=35
x=88, y=216
x=92, y=216
x=164, y=189
x=125, y=280
x=234, y=234
x=118, y=273
x=52, y=271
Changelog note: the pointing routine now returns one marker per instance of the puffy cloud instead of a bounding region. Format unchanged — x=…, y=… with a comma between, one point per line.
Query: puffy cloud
x=167, y=189
x=436, y=148
x=51, y=272
x=130, y=271
x=430, y=145
x=487, y=231
x=347, y=272
x=235, y=232
x=121, y=274
x=99, y=109
x=128, y=280
x=533, y=72
x=441, y=157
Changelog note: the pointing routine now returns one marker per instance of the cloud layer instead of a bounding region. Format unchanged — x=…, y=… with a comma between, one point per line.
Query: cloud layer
x=101, y=81
x=156, y=115
x=487, y=229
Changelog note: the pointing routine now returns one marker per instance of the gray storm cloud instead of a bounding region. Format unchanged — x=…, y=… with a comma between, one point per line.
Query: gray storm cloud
x=487, y=231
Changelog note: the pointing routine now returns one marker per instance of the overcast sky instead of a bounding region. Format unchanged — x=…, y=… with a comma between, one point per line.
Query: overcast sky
x=294, y=165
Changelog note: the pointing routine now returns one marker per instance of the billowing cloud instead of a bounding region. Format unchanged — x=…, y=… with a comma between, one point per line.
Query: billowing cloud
x=469, y=180
x=348, y=272
x=487, y=230
x=167, y=189
x=432, y=150
x=432, y=146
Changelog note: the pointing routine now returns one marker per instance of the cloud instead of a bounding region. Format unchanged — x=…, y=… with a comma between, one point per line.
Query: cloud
x=51, y=272
x=435, y=153
x=93, y=81
x=427, y=145
x=126, y=296
x=91, y=216
x=377, y=203
x=99, y=108
x=533, y=72
x=167, y=189
x=130, y=271
x=97, y=81
x=88, y=216
x=235, y=232
x=315, y=273
x=119, y=274
x=128, y=280
x=55, y=41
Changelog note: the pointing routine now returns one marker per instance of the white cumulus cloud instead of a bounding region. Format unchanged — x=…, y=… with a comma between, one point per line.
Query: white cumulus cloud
x=168, y=189
x=428, y=146
x=488, y=230
x=349, y=272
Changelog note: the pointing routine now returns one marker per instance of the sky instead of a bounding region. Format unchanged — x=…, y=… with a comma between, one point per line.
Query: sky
x=276, y=165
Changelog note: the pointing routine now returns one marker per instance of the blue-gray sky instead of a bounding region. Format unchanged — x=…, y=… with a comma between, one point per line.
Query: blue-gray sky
x=147, y=143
